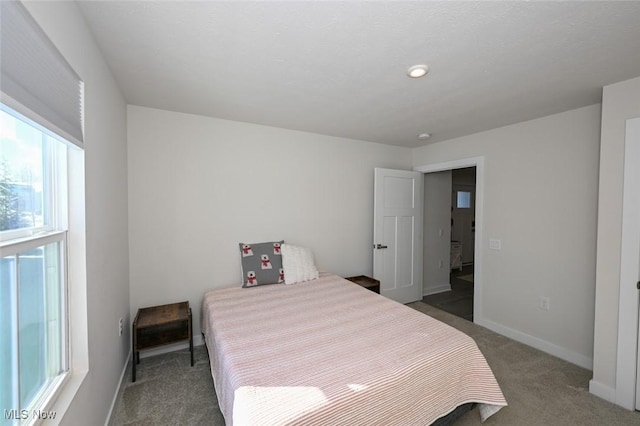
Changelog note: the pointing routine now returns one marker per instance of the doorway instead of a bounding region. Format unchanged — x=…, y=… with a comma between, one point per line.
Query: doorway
x=462, y=294
x=457, y=297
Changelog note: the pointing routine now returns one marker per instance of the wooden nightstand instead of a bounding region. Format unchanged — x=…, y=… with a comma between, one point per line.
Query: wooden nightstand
x=161, y=325
x=366, y=282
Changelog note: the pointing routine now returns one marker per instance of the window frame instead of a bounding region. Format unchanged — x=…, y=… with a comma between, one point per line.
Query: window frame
x=55, y=148
x=15, y=248
x=56, y=184
x=39, y=83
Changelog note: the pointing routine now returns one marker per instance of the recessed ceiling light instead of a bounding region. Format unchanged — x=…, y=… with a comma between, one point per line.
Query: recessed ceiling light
x=424, y=136
x=418, y=71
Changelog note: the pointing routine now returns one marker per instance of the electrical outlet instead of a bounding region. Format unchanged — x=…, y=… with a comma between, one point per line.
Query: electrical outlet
x=544, y=303
x=120, y=327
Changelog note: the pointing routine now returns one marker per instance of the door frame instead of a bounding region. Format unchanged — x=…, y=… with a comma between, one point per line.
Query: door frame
x=628, y=315
x=478, y=256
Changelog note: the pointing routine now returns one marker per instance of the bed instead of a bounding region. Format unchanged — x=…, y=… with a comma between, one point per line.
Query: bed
x=328, y=351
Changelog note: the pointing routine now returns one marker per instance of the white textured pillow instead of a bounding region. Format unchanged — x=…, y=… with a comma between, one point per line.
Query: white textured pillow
x=298, y=264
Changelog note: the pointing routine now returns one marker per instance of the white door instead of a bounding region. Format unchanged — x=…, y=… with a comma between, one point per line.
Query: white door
x=397, y=233
x=627, y=392
x=630, y=256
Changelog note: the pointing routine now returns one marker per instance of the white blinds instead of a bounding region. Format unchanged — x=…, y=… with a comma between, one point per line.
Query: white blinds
x=36, y=80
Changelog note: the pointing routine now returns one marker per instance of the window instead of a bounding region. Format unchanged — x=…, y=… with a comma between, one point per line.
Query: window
x=42, y=238
x=33, y=244
x=463, y=199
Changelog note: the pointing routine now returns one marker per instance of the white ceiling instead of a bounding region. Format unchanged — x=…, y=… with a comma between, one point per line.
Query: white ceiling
x=339, y=68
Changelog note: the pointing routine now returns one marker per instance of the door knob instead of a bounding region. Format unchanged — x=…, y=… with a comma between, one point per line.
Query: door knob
x=380, y=246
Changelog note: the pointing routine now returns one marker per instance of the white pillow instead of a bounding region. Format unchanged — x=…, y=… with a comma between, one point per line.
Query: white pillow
x=298, y=264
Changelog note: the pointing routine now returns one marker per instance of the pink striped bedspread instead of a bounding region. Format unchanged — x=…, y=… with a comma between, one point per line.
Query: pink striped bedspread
x=329, y=352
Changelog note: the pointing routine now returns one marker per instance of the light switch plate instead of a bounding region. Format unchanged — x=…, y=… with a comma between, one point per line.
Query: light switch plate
x=495, y=244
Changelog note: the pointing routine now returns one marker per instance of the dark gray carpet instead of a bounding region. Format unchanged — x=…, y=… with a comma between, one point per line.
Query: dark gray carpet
x=168, y=391
x=540, y=389
x=458, y=301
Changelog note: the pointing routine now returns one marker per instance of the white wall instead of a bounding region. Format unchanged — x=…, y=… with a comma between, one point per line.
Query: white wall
x=437, y=217
x=540, y=200
x=620, y=102
x=199, y=185
x=106, y=210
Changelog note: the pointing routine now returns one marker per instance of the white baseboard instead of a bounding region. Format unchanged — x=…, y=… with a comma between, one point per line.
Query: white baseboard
x=436, y=289
x=115, y=397
x=535, y=342
x=602, y=391
x=197, y=341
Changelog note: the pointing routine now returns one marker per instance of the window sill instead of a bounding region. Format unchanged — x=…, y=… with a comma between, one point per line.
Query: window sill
x=65, y=396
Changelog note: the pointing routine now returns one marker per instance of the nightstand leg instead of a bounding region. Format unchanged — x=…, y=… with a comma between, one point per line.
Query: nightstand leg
x=133, y=368
x=134, y=346
x=191, y=336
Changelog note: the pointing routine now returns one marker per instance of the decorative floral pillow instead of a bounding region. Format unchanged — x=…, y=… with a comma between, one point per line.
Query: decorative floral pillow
x=261, y=263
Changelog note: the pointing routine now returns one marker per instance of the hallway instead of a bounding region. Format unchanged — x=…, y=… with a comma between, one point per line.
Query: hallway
x=458, y=301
